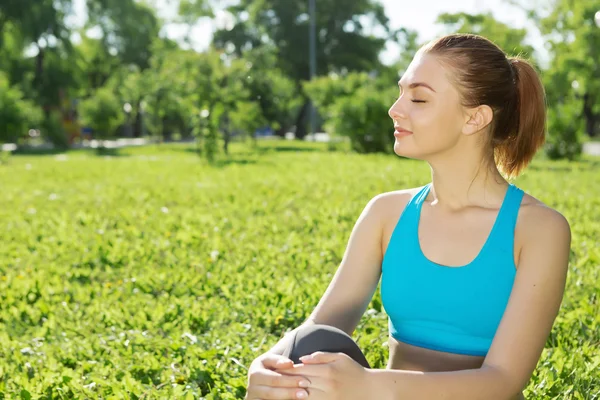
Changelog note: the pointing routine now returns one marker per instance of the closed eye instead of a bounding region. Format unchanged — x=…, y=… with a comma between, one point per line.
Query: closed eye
x=418, y=101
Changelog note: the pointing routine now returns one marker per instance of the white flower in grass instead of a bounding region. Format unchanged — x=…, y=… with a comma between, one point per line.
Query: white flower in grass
x=192, y=338
x=165, y=210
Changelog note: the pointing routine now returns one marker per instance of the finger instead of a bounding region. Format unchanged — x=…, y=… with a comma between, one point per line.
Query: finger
x=312, y=370
x=277, y=361
x=320, y=357
x=276, y=379
x=273, y=393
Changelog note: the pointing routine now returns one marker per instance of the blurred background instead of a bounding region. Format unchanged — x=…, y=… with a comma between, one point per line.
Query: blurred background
x=75, y=73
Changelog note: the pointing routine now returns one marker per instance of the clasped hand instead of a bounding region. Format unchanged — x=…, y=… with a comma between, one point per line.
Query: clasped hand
x=333, y=376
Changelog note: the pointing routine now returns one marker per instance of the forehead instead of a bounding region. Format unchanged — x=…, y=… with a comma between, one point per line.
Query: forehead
x=426, y=68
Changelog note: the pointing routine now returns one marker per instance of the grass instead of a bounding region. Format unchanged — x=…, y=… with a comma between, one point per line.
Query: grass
x=148, y=274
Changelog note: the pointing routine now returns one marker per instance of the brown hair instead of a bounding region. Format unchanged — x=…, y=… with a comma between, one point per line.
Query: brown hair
x=484, y=74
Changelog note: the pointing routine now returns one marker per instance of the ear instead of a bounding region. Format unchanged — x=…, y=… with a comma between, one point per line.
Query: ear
x=477, y=119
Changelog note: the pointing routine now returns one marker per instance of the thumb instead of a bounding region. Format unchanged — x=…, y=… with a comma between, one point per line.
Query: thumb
x=320, y=357
x=276, y=361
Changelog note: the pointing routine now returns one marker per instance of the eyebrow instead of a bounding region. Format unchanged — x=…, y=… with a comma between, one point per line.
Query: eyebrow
x=417, y=84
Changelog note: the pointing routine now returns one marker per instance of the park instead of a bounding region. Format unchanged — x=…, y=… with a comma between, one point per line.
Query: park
x=170, y=213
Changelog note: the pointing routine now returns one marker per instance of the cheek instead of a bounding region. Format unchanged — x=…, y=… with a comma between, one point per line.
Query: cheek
x=435, y=122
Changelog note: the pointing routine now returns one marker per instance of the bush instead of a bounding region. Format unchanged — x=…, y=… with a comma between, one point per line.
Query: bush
x=102, y=112
x=565, y=128
x=53, y=130
x=356, y=106
x=17, y=115
x=363, y=117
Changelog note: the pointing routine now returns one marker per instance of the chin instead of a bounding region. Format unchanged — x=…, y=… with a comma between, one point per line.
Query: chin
x=407, y=150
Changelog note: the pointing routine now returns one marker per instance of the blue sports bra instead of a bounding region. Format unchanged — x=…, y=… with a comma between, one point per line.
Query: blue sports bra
x=450, y=309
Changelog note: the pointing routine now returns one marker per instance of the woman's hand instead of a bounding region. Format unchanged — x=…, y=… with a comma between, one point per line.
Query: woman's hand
x=333, y=376
x=267, y=383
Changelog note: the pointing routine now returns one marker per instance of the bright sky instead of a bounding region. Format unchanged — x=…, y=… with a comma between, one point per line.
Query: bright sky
x=418, y=15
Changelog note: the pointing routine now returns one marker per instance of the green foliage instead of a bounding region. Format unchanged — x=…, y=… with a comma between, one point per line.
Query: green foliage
x=511, y=40
x=53, y=130
x=257, y=65
x=240, y=95
x=270, y=88
x=325, y=91
x=37, y=19
x=247, y=117
x=17, y=115
x=356, y=107
x=344, y=41
x=129, y=28
x=210, y=138
x=362, y=118
x=191, y=10
x=103, y=113
x=573, y=40
x=564, y=119
x=153, y=275
x=565, y=135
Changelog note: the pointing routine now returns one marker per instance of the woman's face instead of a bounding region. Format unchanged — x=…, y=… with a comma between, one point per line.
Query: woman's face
x=429, y=108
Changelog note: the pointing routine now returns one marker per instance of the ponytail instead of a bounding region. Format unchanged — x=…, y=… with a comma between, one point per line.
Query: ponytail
x=516, y=151
x=510, y=86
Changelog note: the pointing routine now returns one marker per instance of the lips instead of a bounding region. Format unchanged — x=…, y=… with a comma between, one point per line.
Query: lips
x=400, y=132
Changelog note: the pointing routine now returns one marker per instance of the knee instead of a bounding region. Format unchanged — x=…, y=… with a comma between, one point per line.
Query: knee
x=323, y=334
x=322, y=337
x=321, y=329
x=319, y=337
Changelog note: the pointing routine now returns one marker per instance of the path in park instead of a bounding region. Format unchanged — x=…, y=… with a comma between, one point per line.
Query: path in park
x=591, y=148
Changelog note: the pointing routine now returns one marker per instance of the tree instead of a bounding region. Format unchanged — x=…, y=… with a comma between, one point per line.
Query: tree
x=511, y=40
x=17, y=115
x=41, y=22
x=574, y=44
x=344, y=44
x=270, y=88
x=355, y=106
x=102, y=112
x=128, y=29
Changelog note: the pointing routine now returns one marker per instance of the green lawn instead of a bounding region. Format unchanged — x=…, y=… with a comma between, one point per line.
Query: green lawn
x=149, y=274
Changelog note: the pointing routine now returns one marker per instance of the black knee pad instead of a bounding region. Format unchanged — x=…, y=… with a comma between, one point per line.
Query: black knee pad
x=318, y=337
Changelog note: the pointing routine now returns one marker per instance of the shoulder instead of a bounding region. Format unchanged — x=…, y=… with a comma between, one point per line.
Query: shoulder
x=387, y=204
x=387, y=208
x=537, y=218
x=542, y=228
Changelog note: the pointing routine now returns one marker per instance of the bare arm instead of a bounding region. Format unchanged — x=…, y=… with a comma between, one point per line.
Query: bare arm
x=355, y=281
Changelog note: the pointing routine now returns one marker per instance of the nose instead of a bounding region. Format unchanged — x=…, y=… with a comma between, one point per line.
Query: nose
x=396, y=112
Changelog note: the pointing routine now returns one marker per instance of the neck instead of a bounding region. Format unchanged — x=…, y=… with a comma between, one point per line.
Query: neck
x=465, y=182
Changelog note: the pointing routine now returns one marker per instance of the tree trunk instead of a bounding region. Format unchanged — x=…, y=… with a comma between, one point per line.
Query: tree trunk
x=591, y=119
x=301, y=120
x=226, y=139
x=281, y=131
x=226, y=133
x=166, y=132
x=39, y=65
x=137, y=125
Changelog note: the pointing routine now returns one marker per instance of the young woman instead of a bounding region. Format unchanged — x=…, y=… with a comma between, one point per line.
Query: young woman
x=472, y=268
